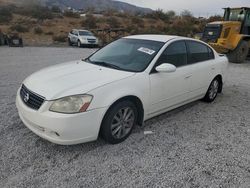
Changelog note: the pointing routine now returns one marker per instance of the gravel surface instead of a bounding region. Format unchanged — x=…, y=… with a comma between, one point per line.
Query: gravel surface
x=198, y=145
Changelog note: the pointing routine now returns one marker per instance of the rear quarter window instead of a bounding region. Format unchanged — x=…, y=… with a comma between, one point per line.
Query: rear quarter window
x=199, y=52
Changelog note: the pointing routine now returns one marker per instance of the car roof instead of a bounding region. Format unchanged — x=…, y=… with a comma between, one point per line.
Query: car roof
x=81, y=30
x=158, y=38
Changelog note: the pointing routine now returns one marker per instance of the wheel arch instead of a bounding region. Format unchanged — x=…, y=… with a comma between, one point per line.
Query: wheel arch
x=219, y=77
x=247, y=39
x=137, y=102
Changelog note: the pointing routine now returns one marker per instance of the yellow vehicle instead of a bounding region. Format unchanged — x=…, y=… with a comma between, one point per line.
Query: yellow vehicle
x=231, y=36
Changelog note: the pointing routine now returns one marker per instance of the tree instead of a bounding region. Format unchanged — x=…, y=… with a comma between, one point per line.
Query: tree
x=55, y=9
x=5, y=15
x=171, y=13
x=186, y=14
x=215, y=18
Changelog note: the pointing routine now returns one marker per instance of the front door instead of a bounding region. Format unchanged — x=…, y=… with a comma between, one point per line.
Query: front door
x=170, y=89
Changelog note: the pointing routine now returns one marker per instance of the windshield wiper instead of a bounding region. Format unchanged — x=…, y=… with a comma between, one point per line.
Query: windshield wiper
x=102, y=63
x=105, y=64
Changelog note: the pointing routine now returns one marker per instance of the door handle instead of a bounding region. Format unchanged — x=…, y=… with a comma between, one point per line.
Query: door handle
x=213, y=68
x=189, y=76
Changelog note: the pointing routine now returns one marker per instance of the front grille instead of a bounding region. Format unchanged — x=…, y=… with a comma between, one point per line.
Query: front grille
x=212, y=32
x=91, y=40
x=30, y=98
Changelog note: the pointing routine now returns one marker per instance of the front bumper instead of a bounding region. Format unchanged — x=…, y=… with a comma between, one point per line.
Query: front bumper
x=87, y=43
x=63, y=129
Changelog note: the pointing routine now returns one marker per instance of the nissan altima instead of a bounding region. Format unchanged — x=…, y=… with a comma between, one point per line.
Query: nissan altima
x=121, y=85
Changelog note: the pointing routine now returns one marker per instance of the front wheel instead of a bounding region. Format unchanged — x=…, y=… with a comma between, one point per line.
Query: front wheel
x=69, y=42
x=212, y=91
x=118, y=122
x=79, y=44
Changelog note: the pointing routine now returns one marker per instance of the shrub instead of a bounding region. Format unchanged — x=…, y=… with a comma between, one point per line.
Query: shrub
x=19, y=28
x=42, y=13
x=113, y=22
x=138, y=21
x=38, y=30
x=89, y=22
x=36, y=11
x=49, y=33
x=71, y=14
x=59, y=38
x=5, y=15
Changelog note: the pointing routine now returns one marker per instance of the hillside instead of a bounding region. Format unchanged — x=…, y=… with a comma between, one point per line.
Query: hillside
x=97, y=5
x=39, y=25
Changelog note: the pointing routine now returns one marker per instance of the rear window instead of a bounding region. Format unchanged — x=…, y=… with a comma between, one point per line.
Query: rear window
x=199, y=52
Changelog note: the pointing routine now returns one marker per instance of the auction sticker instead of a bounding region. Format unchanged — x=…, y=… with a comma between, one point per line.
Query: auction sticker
x=146, y=50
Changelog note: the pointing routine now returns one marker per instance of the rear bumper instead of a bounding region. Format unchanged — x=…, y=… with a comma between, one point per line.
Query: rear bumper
x=63, y=129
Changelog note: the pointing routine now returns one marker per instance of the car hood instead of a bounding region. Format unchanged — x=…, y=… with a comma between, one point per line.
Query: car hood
x=71, y=78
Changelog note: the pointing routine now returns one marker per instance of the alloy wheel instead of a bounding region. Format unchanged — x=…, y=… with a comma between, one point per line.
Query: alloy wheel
x=213, y=91
x=122, y=122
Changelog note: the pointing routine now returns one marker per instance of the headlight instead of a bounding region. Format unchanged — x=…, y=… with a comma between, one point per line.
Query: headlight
x=83, y=40
x=71, y=104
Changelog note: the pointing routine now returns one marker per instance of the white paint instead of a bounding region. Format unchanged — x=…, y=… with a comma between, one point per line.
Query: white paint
x=158, y=92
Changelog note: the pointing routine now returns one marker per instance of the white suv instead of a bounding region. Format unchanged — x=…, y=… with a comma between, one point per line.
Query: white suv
x=82, y=38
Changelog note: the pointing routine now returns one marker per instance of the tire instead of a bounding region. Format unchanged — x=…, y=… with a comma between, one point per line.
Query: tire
x=239, y=54
x=119, y=122
x=79, y=44
x=213, y=90
x=69, y=42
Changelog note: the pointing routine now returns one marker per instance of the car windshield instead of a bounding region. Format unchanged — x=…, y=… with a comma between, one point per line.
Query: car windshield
x=127, y=54
x=85, y=33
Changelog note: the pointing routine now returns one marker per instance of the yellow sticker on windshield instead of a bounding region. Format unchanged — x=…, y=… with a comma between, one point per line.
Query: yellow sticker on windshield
x=146, y=50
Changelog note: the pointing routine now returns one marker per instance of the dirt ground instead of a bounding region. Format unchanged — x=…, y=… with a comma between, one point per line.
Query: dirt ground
x=198, y=145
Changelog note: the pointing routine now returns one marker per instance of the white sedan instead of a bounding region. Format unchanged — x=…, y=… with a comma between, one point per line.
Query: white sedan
x=123, y=84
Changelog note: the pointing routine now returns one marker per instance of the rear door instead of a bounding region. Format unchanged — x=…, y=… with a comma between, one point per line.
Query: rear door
x=202, y=64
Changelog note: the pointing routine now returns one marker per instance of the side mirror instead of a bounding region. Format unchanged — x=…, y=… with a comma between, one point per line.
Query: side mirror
x=166, y=67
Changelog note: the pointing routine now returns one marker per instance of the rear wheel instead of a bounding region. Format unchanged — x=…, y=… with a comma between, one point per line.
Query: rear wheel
x=240, y=53
x=213, y=90
x=118, y=122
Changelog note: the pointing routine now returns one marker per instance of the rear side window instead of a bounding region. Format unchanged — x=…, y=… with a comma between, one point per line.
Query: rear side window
x=210, y=53
x=199, y=52
x=175, y=54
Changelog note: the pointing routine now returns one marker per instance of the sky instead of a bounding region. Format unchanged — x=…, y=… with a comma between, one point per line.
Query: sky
x=203, y=8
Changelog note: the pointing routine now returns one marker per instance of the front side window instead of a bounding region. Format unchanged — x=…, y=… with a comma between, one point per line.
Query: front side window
x=175, y=54
x=127, y=54
x=199, y=52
